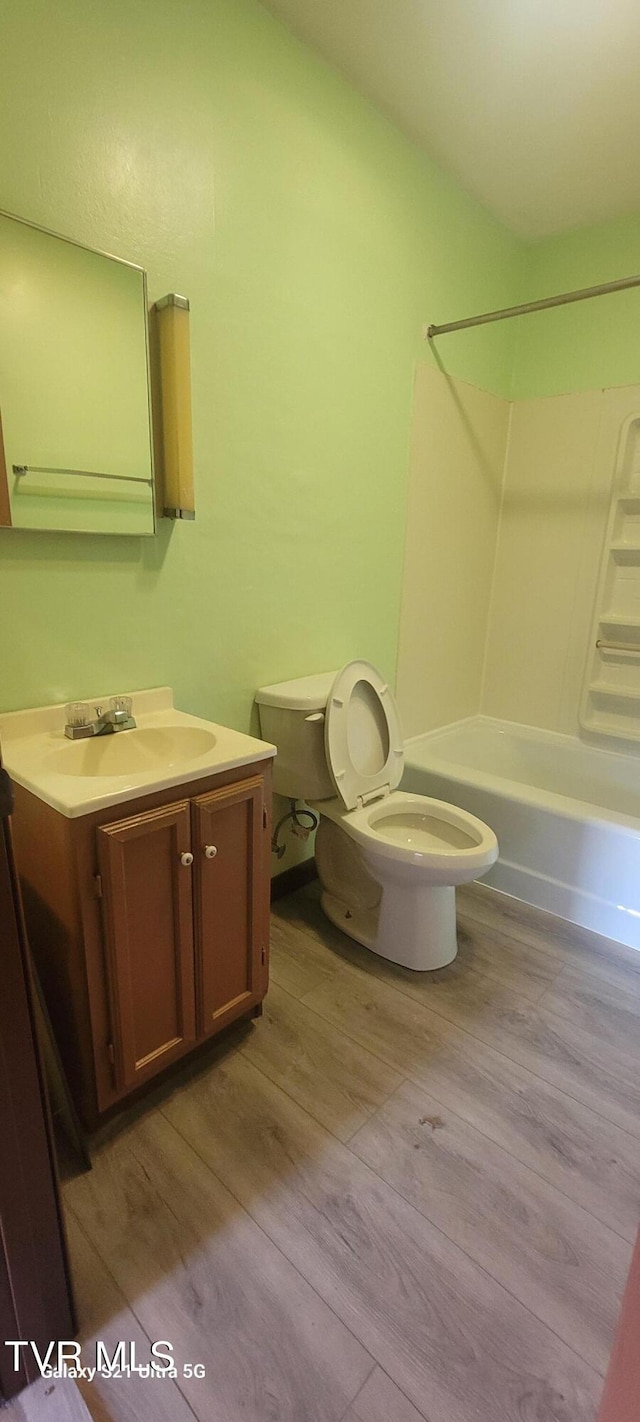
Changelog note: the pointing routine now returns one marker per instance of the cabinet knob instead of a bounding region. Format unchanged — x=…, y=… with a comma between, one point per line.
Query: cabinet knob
x=186, y=858
x=210, y=851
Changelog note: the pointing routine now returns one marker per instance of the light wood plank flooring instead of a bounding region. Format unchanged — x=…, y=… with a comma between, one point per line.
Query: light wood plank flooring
x=394, y=1198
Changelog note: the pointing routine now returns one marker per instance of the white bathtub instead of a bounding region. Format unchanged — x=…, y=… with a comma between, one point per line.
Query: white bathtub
x=567, y=815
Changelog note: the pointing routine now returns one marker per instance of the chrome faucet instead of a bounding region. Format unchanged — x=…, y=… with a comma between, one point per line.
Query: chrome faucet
x=117, y=718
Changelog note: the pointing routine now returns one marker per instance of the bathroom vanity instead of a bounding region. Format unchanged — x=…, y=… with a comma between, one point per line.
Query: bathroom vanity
x=144, y=860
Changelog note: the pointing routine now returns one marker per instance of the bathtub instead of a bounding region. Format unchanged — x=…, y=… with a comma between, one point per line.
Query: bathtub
x=567, y=815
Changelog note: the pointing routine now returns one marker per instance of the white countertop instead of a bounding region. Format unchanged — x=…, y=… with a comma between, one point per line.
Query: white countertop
x=35, y=748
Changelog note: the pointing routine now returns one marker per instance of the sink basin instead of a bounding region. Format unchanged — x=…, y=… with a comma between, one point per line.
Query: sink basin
x=168, y=747
x=131, y=752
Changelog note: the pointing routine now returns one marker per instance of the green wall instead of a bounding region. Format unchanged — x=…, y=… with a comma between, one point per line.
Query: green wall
x=204, y=142
x=593, y=344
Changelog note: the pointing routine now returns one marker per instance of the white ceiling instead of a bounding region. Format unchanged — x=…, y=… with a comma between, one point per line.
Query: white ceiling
x=533, y=105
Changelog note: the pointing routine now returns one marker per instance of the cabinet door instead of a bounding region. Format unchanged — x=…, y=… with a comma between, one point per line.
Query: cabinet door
x=35, y=1300
x=145, y=866
x=229, y=913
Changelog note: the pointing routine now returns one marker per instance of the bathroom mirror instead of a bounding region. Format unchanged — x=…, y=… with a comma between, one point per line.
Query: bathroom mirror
x=75, y=427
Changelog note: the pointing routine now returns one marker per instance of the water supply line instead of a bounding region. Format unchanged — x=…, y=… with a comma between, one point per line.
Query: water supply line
x=298, y=826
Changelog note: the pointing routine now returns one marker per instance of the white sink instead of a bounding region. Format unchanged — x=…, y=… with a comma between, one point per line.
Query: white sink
x=127, y=752
x=167, y=747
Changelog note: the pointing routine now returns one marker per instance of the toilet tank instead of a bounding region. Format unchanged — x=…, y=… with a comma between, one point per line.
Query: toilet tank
x=292, y=718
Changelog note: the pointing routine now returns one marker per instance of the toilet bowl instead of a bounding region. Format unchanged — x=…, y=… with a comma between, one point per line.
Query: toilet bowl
x=394, y=890
x=388, y=861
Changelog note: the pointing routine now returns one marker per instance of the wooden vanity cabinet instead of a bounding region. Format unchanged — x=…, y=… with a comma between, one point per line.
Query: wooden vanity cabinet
x=149, y=923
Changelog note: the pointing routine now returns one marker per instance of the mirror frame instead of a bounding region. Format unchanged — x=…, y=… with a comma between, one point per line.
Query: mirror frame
x=134, y=266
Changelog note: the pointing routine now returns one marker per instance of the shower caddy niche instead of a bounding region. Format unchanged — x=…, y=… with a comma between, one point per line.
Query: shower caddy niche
x=611, y=701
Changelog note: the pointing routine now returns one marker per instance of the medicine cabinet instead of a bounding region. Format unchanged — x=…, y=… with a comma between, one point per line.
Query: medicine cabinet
x=75, y=426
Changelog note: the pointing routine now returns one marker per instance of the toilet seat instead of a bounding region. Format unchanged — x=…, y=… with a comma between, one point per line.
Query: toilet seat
x=363, y=739
x=375, y=828
x=428, y=840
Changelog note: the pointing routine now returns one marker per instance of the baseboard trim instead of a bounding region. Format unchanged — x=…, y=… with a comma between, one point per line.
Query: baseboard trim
x=294, y=878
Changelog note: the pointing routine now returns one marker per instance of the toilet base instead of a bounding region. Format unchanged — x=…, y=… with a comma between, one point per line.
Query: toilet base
x=413, y=927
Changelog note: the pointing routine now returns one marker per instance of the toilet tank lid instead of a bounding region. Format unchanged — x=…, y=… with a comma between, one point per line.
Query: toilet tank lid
x=304, y=693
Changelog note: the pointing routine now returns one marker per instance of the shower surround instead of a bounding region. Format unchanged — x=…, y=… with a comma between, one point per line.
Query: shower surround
x=511, y=503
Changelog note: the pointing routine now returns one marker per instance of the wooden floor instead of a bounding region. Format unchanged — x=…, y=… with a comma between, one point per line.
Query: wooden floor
x=395, y=1197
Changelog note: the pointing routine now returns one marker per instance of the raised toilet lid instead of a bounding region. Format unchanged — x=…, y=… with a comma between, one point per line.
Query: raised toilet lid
x=362, y=735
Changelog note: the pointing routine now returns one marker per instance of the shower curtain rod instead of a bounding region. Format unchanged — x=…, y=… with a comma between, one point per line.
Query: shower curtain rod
x=563, y=299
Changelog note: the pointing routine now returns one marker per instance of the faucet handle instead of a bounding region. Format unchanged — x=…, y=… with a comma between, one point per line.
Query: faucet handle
x=98, y=710
x=77, y=713
x=121, y=703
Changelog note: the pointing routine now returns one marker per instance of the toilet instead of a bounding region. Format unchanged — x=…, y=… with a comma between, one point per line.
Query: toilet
x=388, y=861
